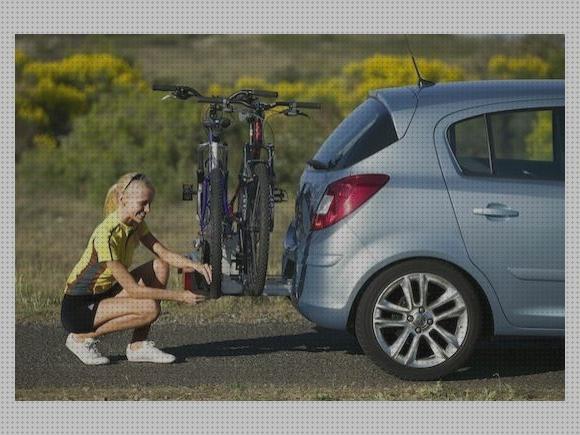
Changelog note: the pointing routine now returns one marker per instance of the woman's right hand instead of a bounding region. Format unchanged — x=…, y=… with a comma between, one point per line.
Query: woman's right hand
x=191, y=298
x=204, y=269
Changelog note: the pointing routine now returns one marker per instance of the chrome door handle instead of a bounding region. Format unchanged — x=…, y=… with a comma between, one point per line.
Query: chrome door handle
x=496, y=210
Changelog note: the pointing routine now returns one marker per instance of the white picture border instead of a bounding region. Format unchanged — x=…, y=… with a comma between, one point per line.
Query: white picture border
x=290, y=17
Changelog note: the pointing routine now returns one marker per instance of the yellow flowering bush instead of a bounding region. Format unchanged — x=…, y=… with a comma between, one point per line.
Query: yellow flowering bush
x=49, y=94
x=539, y=140
x=20, y=59
x=381, y=71
x=45, y=142
x=81, y=69
x=528, y=67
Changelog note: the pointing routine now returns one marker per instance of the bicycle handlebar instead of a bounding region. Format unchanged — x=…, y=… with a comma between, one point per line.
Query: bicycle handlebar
x=211, y=100
x=185, y=92
x=265, y=94
x=181, y=92
x=299, y=104
x=165, y=88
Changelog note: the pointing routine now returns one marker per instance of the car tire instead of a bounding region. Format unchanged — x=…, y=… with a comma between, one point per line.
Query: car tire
x=427, y=338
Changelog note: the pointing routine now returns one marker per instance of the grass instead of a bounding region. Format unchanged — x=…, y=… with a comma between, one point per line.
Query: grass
x=411, y=391
x=234, y=309
x=52, y=231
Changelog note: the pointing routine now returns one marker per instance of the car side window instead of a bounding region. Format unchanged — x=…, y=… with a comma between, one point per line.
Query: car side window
x=512, y=144
x=469, y=144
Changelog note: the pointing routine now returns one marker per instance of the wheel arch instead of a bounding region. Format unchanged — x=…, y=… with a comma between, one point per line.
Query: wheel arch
x=487, y=329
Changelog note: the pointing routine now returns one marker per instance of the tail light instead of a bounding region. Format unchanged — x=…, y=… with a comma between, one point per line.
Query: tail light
x=344, y=196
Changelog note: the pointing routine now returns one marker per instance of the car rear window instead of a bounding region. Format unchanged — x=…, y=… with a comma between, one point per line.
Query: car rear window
x=367, y=130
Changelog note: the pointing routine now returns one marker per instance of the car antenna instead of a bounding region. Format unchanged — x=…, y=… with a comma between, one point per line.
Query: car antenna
x=422, y=83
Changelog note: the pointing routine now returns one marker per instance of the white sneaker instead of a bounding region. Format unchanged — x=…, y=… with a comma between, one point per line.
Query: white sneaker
x=149, y=353
x=86, y=351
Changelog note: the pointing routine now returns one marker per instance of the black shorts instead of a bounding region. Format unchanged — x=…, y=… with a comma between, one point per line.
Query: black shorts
x=77, y=313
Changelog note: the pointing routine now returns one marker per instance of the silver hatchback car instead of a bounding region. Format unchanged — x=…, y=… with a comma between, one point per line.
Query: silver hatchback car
x=433, y=216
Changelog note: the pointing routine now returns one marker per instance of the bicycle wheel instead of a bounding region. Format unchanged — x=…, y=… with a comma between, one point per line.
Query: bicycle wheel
x=257, y=230
x=215, y=225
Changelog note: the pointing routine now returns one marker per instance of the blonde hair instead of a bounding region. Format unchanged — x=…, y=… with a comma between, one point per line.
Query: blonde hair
x=112, y=198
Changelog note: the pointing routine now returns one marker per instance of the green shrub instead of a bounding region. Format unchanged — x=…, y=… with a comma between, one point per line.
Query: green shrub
x=139, y=132
x=49, y=95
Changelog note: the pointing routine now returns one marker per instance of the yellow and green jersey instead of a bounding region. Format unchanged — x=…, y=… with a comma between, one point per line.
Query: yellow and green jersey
x=111, y=240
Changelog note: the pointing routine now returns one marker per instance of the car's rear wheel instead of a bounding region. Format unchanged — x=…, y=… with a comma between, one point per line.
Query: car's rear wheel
x=419, y=320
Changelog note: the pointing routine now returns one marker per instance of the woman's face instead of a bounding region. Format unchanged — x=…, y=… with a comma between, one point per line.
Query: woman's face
x=135, y=202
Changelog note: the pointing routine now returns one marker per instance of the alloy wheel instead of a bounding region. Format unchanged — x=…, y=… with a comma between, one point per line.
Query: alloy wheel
x=420, y=320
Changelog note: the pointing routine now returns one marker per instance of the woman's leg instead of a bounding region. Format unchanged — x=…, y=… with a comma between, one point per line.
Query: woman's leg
x=118, y=314
x=154, y=273
x=123, y=312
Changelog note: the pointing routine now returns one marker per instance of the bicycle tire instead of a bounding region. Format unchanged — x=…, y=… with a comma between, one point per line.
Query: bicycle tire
x=258, y=224
x=216, y=231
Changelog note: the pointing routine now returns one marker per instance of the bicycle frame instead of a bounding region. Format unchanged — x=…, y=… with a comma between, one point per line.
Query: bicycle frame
x=211, y=155
x=257, y=142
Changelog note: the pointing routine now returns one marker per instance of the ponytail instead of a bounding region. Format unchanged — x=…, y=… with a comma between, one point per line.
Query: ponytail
x=112, y=198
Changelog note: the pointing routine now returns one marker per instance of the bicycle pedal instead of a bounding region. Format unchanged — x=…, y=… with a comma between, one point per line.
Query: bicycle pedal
x=188, y=192
x=279, y=195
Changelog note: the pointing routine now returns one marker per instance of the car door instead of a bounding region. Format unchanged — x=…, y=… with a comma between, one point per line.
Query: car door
x=504, y=169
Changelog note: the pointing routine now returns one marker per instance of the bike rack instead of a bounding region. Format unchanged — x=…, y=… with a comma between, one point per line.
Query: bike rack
x=275, y=286
x=231, y=285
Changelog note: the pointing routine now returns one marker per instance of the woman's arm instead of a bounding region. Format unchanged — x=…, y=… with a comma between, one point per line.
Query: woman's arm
x=175, y=259
x=134, y=290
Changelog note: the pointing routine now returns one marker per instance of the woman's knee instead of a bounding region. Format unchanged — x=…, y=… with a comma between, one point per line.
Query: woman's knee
x=161, y=269
x=149, y=310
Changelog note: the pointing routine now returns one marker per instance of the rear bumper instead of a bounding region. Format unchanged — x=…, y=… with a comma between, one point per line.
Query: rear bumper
x=322, y=289
x=322, y=279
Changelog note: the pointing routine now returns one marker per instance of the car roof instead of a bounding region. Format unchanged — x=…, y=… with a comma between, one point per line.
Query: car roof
x=454, y=96
x=467, y=92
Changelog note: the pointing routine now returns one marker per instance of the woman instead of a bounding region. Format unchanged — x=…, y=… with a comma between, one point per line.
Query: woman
x=102, y=296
